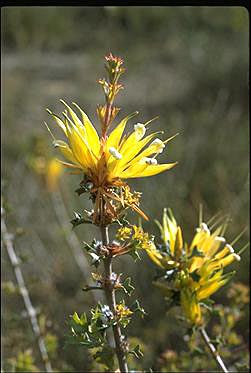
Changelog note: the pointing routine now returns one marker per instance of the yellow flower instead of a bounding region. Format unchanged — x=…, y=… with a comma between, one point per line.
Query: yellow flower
x=108, y=160
x=136, y=237
x=105, y=161
x=49, y=168
x=54, y=170
x=124, y=233
x=190, y=305
x=171, y=236
x=123, y=311
x=200, y=265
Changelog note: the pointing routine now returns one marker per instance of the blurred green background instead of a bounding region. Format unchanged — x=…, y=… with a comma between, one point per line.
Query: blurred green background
x=189, y=66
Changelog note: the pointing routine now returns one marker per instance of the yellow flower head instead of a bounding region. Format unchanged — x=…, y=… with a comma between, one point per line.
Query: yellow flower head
x=190, y=306
x=135, y=237
x=172, y=240
x=43, y=164
x=106, y=161
x=199, y=265
x=123, y=311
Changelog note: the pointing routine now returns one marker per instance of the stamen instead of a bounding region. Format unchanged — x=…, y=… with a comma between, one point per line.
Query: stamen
x=220, y=239
x=230, y=248
x=115, y=153
x=237, y=257
x=140, y=131
x=159, y=145
x=149, y=161
x=200, y=213
x=204, y=227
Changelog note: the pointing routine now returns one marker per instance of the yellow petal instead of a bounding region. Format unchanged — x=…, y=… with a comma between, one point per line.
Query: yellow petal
x=115, y=136
x=74, y=116
x=79, y=149
x=229, y=259
x=65, y=150
x=223, y=253
x=129, y=150
x=59, y=121
x=91, y=133
x=207, y=280
x=70, y=165
x=155, y=256
x=190, y=306
x=207, y=290
x=178, y=243
x=133, y=171
x=79, y=146
x=152, y=170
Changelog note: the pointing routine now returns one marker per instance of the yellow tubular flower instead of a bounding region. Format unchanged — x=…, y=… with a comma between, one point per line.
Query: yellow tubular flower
x=190, y=306
x=200, y=265
x=107, y=160
x=156, y=256
x=171, y=235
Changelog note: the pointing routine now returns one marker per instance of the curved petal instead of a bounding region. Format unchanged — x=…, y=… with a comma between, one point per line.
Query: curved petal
x=66, y=151
x=130, y=150
x=59, y=121
x=115, y=136
x=91, y=133
x=149, y=170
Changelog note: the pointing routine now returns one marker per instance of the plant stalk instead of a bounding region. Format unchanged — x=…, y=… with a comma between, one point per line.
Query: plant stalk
x=111, y=300
x=213, y=350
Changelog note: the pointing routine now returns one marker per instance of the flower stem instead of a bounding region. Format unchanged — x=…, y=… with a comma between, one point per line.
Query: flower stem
x=213, y=350
x=110, y=295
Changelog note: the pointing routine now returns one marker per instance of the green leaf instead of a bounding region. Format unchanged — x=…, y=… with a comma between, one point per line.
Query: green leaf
x=197, y=351
x=84, y=187
x=82, y=320
x=122, y=221
x=78, y=219
x=208, y=304
x=196, y=252
x=134, y=254
x=136, y=352
x=105, y=357
x=135, y=307
x=127, y=286
x=195, y=276
x=95, y=258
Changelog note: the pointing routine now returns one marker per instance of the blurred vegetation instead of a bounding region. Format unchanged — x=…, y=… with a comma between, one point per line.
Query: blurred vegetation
x=189, y=66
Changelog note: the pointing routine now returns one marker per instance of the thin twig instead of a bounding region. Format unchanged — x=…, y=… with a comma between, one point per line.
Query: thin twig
x=213, y=350
x=110, y=295
x=7, y=240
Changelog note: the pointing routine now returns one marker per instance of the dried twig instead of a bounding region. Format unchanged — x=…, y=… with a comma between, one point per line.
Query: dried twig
x=7, y=240
x=213, y=350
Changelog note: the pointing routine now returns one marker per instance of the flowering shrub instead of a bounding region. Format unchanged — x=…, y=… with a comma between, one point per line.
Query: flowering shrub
x=190, y=273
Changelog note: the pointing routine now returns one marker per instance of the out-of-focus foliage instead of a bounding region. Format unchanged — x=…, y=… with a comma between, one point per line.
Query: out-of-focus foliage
x=189, y=65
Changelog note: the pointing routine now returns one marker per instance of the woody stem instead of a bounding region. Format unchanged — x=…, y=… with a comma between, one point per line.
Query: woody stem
x=213, y=350
x=111, y=300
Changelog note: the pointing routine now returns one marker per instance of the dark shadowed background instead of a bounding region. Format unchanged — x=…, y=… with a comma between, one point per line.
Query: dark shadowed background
x=187, y=65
